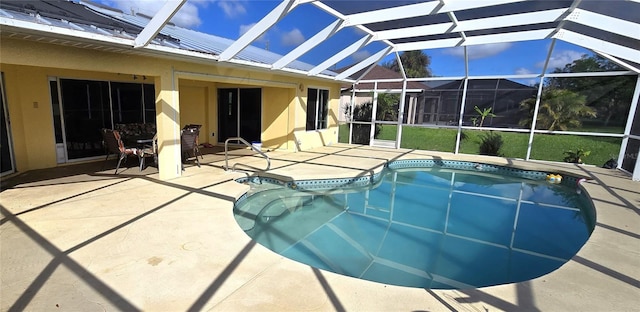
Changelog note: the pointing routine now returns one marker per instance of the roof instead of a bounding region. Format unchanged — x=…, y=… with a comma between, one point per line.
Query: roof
x=481, y=85
x=378, y=72
x=608, y=28
x=96, y=19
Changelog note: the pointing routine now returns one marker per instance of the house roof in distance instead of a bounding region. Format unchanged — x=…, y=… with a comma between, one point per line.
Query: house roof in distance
x=381, y=73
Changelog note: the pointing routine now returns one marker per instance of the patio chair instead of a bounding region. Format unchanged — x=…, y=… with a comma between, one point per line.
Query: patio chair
x=196, y=127
x=113, y=144
x=189, y=143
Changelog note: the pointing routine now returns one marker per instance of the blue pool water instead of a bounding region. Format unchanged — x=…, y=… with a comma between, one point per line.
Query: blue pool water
x=424, y=227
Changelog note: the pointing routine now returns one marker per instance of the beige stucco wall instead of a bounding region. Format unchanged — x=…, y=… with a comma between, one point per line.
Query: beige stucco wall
x=186, y=93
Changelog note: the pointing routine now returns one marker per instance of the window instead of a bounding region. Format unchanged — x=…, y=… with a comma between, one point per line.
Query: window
x=317, y=109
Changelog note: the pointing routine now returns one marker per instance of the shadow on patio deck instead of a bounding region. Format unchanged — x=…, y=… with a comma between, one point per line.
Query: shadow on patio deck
x=81, y=238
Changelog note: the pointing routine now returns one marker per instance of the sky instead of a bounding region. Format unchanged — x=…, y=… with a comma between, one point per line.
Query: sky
x=231, y=18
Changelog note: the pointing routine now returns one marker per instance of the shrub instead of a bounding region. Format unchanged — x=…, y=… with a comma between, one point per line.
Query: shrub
x=361, y=132
x=490, y=144
x=576, y=157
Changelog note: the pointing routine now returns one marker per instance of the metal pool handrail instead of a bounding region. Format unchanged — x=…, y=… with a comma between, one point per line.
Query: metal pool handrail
x=226, y=153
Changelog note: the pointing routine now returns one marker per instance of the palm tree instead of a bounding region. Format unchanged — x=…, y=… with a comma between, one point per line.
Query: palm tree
x=484, y=113
x=416, y=64
x=560, y=109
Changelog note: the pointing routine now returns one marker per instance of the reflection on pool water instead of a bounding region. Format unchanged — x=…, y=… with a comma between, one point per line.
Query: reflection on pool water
x=430, y=228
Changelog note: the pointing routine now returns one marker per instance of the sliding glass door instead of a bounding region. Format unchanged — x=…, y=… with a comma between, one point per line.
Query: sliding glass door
x=82, y=107
x=6, y=158
x=239, y=114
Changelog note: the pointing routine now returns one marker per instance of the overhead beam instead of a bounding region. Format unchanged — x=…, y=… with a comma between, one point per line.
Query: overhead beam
x=341, y=55
x=308, y=45
x=620, y=62
x=604, y=22
x=538, y=34
x=599, y=45
x=470, y=25
x=368, y=61
x=418, y=9
x=168, y=10
x=475, y=40
x=258, y=29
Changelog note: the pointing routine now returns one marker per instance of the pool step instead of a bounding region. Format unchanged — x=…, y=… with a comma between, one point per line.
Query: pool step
x=268, y=204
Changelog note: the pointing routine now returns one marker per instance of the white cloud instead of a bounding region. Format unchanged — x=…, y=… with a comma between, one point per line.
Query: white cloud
x=292, y=38
x=360, y=55
x=523, y=71
x=187, y=16
x=232, y=8
x=479, y=51
x=245, y=28
x=560, y=59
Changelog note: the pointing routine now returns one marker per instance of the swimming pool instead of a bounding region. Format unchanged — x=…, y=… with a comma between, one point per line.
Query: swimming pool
x=423, y=223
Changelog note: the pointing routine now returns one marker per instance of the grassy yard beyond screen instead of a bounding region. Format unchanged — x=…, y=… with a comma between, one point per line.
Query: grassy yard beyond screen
x=545, y=146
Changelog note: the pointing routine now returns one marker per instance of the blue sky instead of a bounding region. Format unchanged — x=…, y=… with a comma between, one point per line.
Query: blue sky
x=230, y=19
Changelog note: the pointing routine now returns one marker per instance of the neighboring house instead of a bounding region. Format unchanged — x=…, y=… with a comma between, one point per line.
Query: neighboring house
x=70, y=69
x=438, y=102
x=364, y=90
x=503, y=96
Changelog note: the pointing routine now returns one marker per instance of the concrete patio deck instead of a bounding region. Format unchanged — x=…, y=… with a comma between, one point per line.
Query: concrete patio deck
x=78, y=238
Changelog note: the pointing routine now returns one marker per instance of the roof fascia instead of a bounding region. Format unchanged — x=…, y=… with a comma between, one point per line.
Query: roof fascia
x=60, y=31
x=24, y=27
x=168, y=10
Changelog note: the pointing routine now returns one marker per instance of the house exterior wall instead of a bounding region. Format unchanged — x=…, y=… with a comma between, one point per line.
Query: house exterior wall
x=345, y=101
x=27, y=66
x=194, y=106
x=304, y=140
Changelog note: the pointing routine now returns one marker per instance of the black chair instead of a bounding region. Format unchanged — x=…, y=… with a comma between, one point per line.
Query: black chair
x=114, y=145
x=195, y=127
x=189, y=143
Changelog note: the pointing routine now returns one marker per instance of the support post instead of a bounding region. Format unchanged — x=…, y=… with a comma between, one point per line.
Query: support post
x=168, y=125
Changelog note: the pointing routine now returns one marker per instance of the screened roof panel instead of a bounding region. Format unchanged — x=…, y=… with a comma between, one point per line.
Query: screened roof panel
x=614, y=38
x=359, y=6
x=428, y=38
x=512, y=29
x=409, y=22
x=625, y=10
x=511, y=9
x=609, y=28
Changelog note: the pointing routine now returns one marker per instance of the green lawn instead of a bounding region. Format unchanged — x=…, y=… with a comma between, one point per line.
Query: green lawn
x=545, y=146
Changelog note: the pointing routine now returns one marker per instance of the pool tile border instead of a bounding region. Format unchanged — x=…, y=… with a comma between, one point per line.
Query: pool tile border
x=364, y=181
